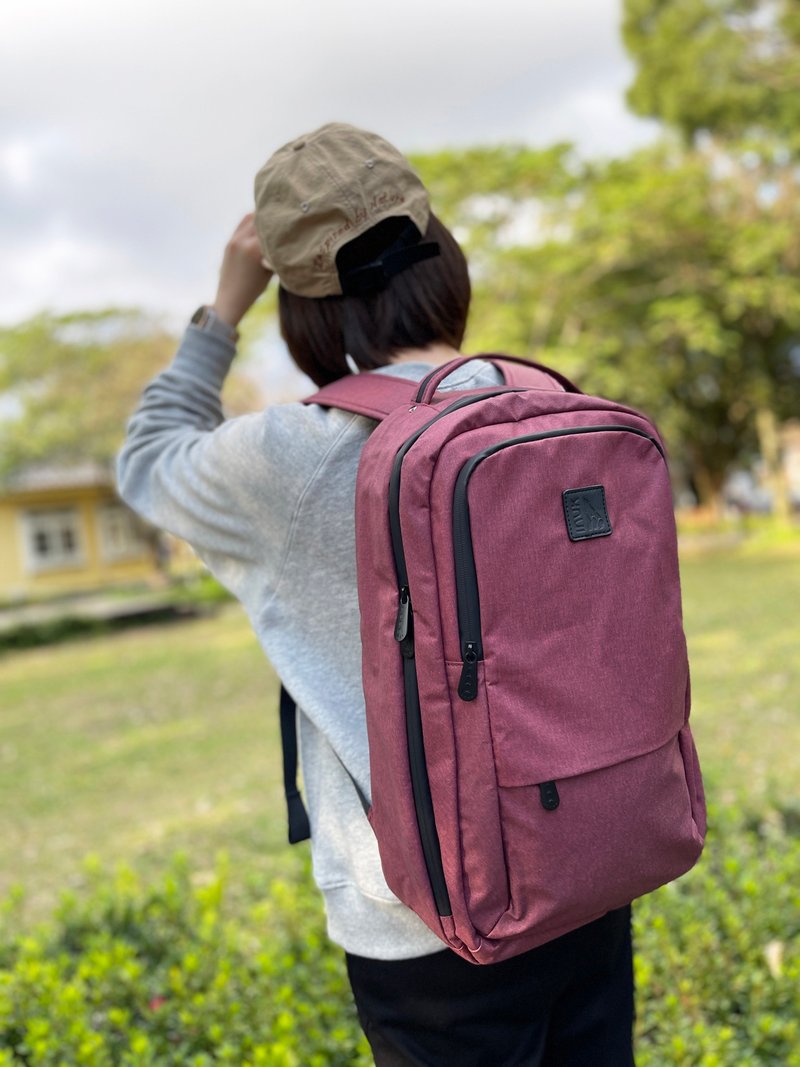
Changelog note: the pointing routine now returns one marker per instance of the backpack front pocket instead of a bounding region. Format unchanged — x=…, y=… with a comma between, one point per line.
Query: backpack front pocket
x=581, y=641
x=619, y=832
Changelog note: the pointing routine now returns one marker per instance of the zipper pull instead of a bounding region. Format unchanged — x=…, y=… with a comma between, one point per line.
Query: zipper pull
x=548, y=794
x=468, y=685
x=404, y=624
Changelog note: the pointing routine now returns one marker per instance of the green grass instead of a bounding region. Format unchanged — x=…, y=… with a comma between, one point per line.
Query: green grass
x=137, y=744
x=743, y=631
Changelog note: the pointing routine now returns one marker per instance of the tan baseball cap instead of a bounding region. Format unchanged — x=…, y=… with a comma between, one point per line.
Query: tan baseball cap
x=322, y=190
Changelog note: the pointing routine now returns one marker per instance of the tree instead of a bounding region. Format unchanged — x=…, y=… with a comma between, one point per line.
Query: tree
x=500, y=202
x=657, y=280
x=726, y=74
x=728, y=67
x=69, y=383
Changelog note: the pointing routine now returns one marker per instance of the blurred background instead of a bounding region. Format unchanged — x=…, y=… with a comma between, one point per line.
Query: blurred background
x=623, y=175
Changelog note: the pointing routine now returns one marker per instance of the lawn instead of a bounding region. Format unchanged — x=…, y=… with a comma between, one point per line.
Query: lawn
x=743, y=630
x=136, y=744
x=139, y=745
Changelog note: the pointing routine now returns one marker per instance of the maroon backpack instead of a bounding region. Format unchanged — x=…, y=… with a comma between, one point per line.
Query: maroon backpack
x=524, y=661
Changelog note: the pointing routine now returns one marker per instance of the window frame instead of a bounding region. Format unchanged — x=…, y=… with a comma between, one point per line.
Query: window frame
x=50, y=520
x=134, y=543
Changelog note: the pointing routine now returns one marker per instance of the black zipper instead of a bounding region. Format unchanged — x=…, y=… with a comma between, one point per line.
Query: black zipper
x=397, y=466
x=404, y=635
x=421, y=791
x=468, y=601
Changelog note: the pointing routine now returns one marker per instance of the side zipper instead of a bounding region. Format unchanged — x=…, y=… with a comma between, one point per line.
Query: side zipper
x=420, y=785
x=404, y=635
x=404, y=625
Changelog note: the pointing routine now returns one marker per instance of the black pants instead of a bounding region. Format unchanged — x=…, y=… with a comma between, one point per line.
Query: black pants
x=567, y=1003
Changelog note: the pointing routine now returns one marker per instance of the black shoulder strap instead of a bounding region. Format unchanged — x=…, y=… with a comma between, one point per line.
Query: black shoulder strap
x=299, y=827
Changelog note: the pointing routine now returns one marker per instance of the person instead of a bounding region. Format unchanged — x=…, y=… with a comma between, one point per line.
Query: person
x=370, y=281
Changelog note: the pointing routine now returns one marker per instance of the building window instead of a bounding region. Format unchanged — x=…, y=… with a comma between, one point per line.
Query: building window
x=52, y=539
x=121, y=534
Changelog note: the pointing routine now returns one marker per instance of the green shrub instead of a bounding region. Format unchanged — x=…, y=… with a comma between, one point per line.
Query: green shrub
x=186, y=597
x=49, y=632
x=717, y=953
x=135, y=975
x=141, y=975
x=201, y=590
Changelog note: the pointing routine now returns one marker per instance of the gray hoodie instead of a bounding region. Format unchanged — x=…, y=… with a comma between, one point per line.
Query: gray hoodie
x=267, y=502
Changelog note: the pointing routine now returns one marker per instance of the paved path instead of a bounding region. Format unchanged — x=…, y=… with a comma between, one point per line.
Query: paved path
x=95, y=606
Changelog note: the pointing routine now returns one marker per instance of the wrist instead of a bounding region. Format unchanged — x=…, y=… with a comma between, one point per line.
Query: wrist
x=209, y=319
x=227, y=312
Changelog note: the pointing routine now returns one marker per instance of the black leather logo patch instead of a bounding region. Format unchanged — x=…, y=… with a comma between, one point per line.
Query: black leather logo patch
x=585, y=512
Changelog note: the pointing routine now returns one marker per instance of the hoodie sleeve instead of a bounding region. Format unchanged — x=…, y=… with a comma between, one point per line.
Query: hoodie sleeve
x=229, y=487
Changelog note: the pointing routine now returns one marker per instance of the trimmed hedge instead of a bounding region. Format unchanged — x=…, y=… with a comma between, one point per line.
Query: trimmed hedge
x=133, y=975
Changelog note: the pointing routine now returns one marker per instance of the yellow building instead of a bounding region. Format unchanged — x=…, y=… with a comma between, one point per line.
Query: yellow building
x=65, y=530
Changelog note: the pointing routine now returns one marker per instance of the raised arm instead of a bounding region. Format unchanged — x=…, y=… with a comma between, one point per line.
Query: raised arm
x=216, y=483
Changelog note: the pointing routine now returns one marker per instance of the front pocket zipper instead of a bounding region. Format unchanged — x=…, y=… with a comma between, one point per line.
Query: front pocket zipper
x=468, y=600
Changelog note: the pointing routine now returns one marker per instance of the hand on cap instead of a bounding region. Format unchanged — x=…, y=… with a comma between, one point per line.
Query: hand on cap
x=243, y=276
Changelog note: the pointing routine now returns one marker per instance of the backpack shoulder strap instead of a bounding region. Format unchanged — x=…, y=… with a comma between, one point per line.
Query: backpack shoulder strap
x=299, y=825
x=375, y=395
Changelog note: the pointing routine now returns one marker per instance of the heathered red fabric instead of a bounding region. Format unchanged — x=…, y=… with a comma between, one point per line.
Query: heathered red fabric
x=584, y=679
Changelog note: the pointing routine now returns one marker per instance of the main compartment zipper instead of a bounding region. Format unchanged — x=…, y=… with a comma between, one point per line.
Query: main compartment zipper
x=404, y=635
x=468, y=600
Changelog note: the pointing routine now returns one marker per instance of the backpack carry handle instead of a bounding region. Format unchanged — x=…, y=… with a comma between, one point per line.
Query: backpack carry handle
x=432, y=381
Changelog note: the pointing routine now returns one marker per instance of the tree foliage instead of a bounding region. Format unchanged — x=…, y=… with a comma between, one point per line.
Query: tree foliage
x=69, y=383
x=664, y=280
x=69, y=379
x=668, y=279
x=731, y=67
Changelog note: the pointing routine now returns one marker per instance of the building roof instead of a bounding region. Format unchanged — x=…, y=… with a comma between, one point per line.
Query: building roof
x=37, y=477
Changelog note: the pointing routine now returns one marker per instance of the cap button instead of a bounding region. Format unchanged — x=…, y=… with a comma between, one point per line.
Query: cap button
x=298, y=145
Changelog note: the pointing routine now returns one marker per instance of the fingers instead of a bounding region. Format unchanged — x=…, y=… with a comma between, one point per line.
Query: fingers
x=246, y=228
x=245, y=238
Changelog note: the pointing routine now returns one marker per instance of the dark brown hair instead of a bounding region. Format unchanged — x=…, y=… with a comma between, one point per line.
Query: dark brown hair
x=424, y=304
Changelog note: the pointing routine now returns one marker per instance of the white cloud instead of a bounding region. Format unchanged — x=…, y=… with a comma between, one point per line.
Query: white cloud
x=64, y=270
x=138, y=126
x=16, y=160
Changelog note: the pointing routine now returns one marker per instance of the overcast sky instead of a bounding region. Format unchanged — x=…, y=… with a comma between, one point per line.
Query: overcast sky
x=130, y=132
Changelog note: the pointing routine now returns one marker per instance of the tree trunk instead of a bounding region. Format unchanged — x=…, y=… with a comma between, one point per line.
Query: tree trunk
x=708, y=485
x=769, y=444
